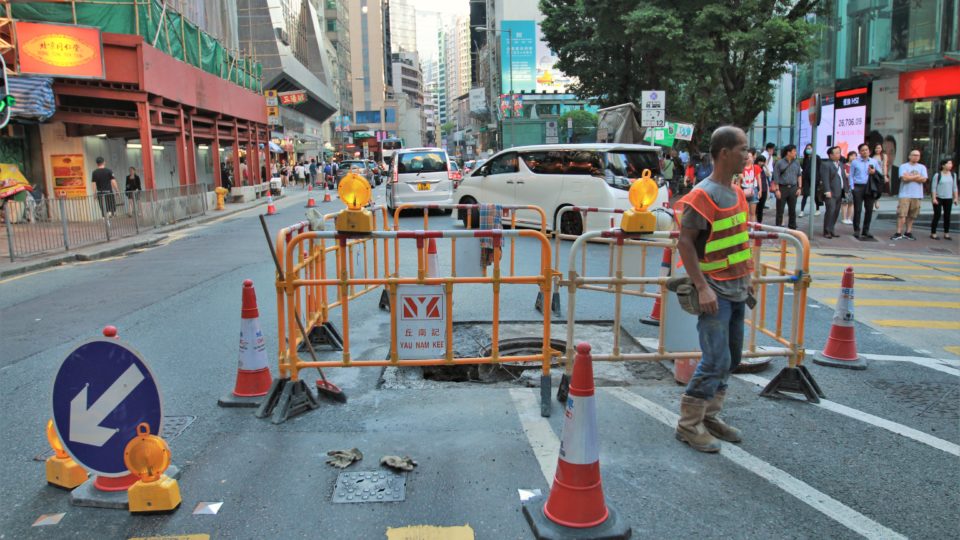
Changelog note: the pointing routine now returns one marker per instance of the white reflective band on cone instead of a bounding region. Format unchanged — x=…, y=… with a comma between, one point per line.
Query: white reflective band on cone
x=580, y=444
x=843, y=315
x=253, y=348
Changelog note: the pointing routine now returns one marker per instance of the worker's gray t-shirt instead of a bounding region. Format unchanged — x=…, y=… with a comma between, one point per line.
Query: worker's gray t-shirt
x=734, y=290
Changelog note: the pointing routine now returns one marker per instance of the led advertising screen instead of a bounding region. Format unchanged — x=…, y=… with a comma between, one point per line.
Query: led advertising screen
x=518, y=59
x=60, y=50
x=824, y=130
x=850, y=118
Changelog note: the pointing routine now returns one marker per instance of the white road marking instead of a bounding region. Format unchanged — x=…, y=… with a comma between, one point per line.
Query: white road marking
x=806, y=493
x=944, y=365
x=868, y=418
x=542, y=439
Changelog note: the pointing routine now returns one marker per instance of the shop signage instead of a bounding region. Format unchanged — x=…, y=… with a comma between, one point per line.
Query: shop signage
x=292, y=98
x=69, y=178
x=421, y=322
x=60, y=50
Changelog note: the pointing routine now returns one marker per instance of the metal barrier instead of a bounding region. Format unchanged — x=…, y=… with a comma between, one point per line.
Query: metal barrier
x=791, y=344
x=61, y=224
x=302, y=276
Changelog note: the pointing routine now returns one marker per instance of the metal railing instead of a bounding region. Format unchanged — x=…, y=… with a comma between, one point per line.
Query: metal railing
x=40, y=226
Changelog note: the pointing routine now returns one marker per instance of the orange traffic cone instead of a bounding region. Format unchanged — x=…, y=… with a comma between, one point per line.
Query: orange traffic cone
x=326, y=193
x=311, y=203
x=253, y=375
x=310, y=186
x=575, y=507
x=271, y=208
x=654, y=318
x=432, y=258
x=841, y=348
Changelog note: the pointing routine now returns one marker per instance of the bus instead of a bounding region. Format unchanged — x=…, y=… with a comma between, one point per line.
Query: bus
x=388, y=147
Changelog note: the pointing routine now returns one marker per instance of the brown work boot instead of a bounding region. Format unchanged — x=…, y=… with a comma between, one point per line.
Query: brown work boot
x=717, y=427
x=690, y=428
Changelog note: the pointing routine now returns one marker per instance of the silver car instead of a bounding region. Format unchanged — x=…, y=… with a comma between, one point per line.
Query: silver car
x=419, y=176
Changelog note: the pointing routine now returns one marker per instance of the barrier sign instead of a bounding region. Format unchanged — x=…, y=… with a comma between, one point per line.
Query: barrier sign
x=421, y=322
x=101, y=392
x=684, y=132
x=653, y=99
x=653, y=118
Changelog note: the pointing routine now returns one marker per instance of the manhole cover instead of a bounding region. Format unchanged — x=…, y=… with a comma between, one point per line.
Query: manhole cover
x=369, y=486
x=173, y=427
x=941, y=250
x=930, y=400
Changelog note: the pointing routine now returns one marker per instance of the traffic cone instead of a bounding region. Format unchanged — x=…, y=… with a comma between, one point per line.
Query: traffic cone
x=311, y=203
x=575, y=507
x=310, y=186
x=253, y=375
x=326, y=193
x=271, y=208
x=654, y=318
x=432, y=258
x=841, y=348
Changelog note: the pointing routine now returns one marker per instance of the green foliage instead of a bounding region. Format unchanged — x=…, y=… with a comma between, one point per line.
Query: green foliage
x=447, y=127
x=716, y=60
x=584, y=124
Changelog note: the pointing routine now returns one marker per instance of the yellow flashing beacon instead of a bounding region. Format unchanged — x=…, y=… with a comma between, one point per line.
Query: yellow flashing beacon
x=62, y=470
x=354, y=191
x=642, y=194
x=148, y=456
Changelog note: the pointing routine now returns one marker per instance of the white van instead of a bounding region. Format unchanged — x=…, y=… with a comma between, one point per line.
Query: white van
x=419, y=176
x=557, y=175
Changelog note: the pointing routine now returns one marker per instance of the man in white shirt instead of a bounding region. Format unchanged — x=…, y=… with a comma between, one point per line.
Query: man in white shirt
x=913, y=174
x=770, y=151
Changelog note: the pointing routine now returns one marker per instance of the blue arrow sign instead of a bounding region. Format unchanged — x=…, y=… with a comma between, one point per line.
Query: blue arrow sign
x=102, y=391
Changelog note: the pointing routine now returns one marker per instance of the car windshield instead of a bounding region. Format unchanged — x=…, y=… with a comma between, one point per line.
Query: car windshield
x=454, y=166
x=421, y=162
x=623, y=167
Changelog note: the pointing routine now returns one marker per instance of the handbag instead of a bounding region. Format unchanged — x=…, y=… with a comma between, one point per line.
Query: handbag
x=875, y=185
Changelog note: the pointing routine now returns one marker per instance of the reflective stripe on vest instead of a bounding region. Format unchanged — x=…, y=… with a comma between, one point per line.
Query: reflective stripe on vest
x=732, y=221
x=734, y=258
x=727, y=242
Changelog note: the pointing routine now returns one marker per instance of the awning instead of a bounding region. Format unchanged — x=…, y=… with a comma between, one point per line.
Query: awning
x=33, y=98
x=275, y=148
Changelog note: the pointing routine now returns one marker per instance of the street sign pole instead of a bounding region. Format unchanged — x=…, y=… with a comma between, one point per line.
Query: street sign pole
x=815, y=107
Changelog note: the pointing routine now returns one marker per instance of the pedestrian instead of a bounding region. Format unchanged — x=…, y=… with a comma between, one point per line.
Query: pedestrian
x=863, y=197
x=667, y=170
x=704, y=167
x=764, y=186
x=846, y=200
x=313, y=171
x=718, y=260
x=945, y=194
x=106, y=185
x=831, y=177
x=786, y=185
x=133, y=186
x=770, y=156
x=300, y=173
x=750, y=179
x=225, y=178
x=913, y=175
x=244, y=172
x=809, y=162
x=880, y=156
x=328, y=175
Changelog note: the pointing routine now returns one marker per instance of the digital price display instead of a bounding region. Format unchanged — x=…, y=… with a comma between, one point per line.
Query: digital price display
x=850, y=118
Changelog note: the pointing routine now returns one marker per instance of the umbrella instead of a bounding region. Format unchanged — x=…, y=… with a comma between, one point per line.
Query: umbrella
x=12, y=181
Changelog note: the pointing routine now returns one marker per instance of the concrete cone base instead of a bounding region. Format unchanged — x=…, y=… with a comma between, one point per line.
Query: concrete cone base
x=87, y=495
x=858, y=363
x=230, y=400
x=543, y=529
x=650, y=321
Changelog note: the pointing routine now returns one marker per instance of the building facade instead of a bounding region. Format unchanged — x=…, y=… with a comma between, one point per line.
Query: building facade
x=403, y=26
x=337, y=24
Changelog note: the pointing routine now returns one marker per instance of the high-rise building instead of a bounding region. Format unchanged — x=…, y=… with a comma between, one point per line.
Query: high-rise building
x=337, y=22
x=440, y=81
x=403, y=26
x=407, y=76
x=367, y=57
x=456, y=45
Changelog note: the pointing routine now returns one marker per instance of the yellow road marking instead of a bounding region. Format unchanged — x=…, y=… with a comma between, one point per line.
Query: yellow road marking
x=891, y=287
x=856, y=265
x=955, y=349
x=879, y=302
x=430, y=532
x=943, y=277
x=909, y=323
x=947, y=261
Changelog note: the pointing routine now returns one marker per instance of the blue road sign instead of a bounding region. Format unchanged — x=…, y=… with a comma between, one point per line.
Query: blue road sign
x=102, y=391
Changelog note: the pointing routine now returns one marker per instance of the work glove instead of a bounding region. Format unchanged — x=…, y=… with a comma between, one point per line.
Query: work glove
x=404, y=463
x=686, y=293
x=343, y=458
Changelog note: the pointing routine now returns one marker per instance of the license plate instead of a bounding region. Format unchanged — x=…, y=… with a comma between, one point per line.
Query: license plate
x=423, y=187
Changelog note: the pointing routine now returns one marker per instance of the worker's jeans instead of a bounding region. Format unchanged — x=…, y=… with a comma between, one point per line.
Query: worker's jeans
x=721, y=340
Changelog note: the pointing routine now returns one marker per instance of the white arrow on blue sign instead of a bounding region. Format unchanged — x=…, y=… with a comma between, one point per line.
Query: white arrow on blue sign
x=102, y=391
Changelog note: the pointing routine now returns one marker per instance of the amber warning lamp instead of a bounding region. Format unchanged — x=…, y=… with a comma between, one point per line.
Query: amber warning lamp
x=354, y=191
x=62, y=470
x=642, y=194
x=147, y=457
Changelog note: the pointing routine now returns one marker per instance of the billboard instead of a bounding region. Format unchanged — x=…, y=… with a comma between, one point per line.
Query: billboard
x=850, y=118
x=824, y=130
x=533, y=63
x=59, y=50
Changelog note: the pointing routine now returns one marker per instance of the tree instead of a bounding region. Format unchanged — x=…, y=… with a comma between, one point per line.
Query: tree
x=717, y=61
x=447, y=127
x=584, y=125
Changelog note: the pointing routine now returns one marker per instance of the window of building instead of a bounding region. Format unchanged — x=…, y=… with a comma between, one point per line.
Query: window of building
x=331, y=4
x=331, y=25
x=368, y=117
x=390, y=115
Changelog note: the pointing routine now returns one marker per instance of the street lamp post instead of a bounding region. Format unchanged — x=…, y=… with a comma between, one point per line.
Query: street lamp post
x=509, y=33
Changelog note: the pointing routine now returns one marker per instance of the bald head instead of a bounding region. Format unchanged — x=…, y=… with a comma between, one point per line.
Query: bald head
x=725, y=137
x=728, y=146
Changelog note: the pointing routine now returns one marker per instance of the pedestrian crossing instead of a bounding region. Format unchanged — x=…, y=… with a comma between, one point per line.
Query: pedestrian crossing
x=913, y=300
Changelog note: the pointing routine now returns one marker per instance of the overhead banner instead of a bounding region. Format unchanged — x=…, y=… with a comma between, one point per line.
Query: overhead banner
x=518, y=61
x=60, y=50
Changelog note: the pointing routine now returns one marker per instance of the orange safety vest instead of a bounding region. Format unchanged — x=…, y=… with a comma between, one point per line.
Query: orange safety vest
x=727, y=254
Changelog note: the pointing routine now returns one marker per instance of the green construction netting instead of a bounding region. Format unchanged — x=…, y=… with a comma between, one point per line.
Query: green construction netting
x=166, y=30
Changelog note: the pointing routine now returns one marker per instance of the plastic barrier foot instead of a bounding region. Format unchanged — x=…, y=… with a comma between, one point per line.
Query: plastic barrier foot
x=538, y=303
x=555, y=303
x=325, y=334
x=613, y=528
x=857, y=363
x=384, y=300
x=545, y=389
x=564, y=389
x=287, y=399
x=794, y=380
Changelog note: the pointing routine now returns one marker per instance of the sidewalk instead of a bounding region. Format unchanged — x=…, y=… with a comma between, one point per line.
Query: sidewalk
x=115, y=247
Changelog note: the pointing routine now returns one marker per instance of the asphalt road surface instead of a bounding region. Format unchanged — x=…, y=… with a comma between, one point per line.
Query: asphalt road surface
x=877, y=459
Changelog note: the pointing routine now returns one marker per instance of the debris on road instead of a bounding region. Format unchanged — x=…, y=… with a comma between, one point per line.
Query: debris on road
x=344, y=458
x=405, y=463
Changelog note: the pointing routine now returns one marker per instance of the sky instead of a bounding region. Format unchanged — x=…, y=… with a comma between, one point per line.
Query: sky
x=427, y=21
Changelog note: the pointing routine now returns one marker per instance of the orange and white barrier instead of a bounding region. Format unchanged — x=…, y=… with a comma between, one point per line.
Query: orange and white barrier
x=841, y=348
x=665, y=263
x=253, y=374
x=271, y=208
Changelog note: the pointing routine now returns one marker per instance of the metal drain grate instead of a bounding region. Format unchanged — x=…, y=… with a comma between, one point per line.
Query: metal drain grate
x=369, y=486
x=930, y=400
x=173, y=427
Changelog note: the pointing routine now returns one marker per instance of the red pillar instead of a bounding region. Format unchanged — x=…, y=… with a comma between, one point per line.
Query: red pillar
x=215, y=152
x=182, y=150
x=256, y=152
x=238, y=178
x=192, y=151
x=146, y=145
x=266, y=152
x=251, y=160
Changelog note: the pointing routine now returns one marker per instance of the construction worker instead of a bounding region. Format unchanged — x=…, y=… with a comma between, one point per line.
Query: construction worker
x=715, y=248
